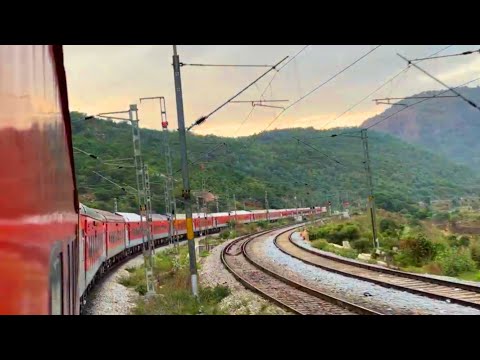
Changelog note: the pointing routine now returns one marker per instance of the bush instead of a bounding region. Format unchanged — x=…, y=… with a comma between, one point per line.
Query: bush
x=362, y=245
x=417, y=250
x=441, y=216
x=335, y=233
x=325, y=246
x=349, y=232
x=224, y=234
x=141, y=289
x=414, y=222
x=263, y=224
x=464, y=241
x=389, y=243
x=388, y=224
x=403, y=259
x=475, y=252
x=349, y=253
x=456, y=261
x=215, y=295
x=320, y=244
x=163, y=263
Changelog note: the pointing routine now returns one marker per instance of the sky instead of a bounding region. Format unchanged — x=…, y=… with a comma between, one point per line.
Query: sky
x=105, y=78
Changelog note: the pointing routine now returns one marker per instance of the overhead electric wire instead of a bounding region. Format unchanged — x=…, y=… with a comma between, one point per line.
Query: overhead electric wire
x=225, y=65
x=321, y=85
x=377, y=89
x=314, y=148
x=268, y=85
x=203, y=118
x=468, y=101
x=445, y=56
x=418, y=102
x=105, y=162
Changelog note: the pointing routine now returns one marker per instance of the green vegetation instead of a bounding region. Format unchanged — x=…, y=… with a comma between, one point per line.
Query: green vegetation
x=446, y=126
x=416, y=246
x=172, y=279
x=404, y=174
x=335, y=233
x=324, y=245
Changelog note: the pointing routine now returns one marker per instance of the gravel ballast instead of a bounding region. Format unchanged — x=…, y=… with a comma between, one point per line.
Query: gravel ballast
x=388, y=301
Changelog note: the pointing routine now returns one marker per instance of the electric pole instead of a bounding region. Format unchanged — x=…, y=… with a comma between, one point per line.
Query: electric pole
x=235, y=207
x=141, y=182
x=371, y=197
x=115, y=207
x=170, y=203
x=142, y=195
x=266, y=203
x=186, y=180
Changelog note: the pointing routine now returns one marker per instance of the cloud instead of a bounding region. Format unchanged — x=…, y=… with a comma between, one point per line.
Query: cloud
x=109, y=78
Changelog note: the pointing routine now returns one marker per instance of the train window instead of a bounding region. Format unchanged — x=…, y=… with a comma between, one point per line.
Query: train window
x=56, y=281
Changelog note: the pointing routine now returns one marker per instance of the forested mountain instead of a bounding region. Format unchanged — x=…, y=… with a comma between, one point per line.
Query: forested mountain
x=444, y=125
x=274, y=161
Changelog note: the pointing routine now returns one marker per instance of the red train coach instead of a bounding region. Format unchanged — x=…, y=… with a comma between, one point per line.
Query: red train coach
x=38, y=202
x=92, y=247
x=116, y=235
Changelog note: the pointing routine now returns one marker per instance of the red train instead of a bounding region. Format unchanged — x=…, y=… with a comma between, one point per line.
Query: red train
x=51, y=247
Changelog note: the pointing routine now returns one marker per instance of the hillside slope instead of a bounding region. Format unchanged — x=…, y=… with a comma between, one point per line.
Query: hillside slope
x=273, y=162
x=448, y=126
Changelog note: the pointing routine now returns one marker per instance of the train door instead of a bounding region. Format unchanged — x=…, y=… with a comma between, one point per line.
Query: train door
x=56, y=281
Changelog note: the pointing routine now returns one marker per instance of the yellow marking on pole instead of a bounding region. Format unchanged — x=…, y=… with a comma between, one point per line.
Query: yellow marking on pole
x=189, y=229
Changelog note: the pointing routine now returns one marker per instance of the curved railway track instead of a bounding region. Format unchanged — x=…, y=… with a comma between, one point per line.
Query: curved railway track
x=293, y=296
x=462, y=294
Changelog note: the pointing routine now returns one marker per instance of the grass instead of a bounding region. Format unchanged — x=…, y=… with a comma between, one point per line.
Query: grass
x=471, y=276
x=172, y=279
x=324, y=245
x=173, y=289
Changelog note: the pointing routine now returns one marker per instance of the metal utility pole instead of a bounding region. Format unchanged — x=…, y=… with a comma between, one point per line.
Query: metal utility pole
x=371, y=197
x=227, y=199
x=142, y=195
x=235, y=207
x=115, y=205
x=218, y=209
x=148, y=203
x=140, y=181
x=266, y=204
x=170, y=203
x=198, y=213
x=186, y=180
x=296, y=205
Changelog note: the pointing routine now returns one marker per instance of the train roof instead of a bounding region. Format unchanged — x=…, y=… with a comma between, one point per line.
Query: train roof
x=130, y=217
x=110, y=217
x=242, y=212
x=258, y=211
x=220, y=214
x=158, y=217
x=85, y=210
x=197, y=215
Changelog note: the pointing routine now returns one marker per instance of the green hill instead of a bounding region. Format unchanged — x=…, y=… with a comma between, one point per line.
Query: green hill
x=273, y=161
x=447, y=126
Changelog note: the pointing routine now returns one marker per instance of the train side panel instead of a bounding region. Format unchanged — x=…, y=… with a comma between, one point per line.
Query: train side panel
x=38, y=202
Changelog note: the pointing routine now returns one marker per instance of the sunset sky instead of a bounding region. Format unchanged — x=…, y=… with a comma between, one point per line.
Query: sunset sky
x=104, y=78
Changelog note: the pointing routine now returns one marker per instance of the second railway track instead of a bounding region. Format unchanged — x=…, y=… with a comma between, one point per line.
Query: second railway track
x=462, y=294
x=298, y=298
